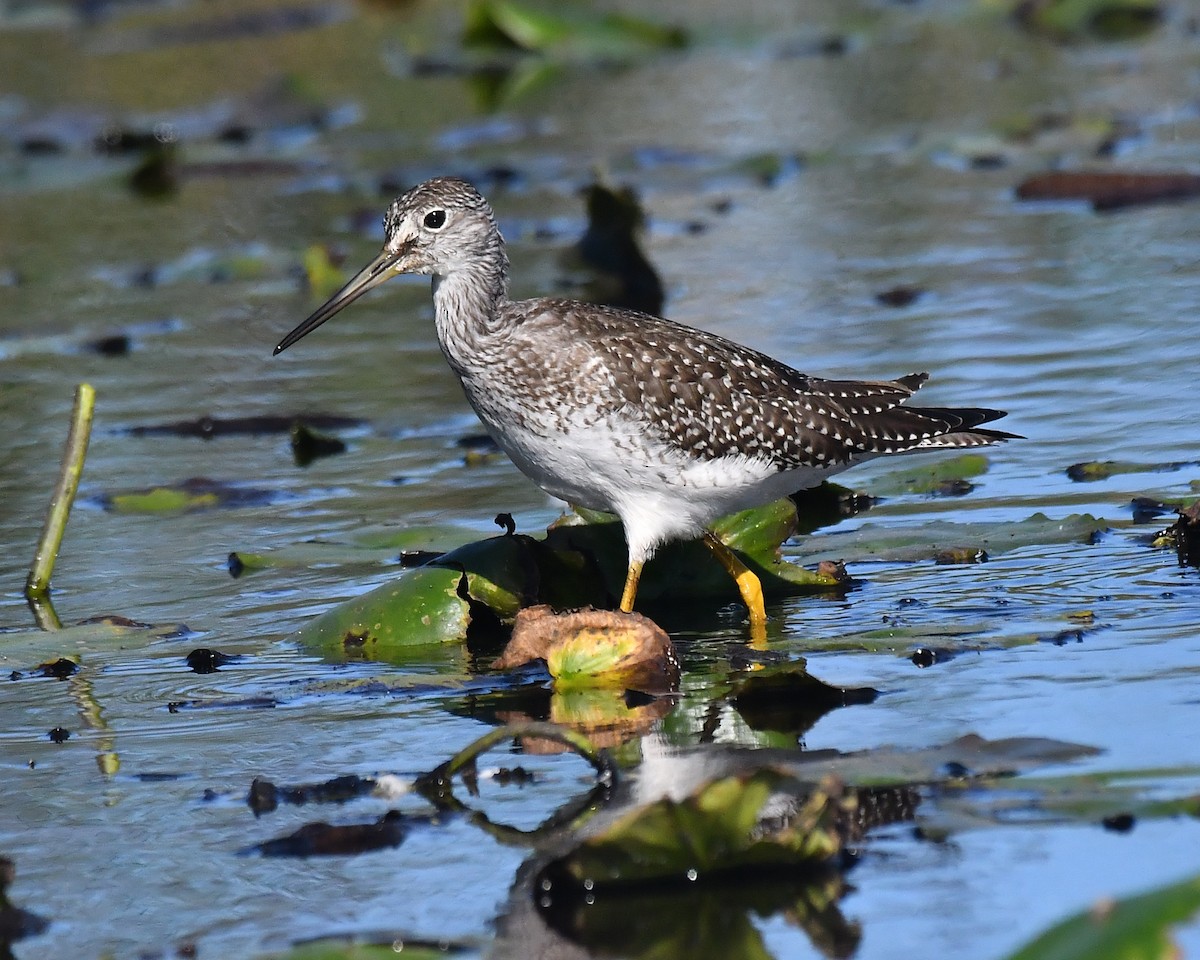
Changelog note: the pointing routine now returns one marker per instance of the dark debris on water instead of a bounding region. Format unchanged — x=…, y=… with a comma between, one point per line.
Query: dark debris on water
x=325, y=839
x=1184, y=535
x=207, y=427
x=203, y=660
x=265, y=796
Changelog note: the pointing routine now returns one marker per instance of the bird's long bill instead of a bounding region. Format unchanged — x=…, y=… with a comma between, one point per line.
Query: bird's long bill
x=372, y=275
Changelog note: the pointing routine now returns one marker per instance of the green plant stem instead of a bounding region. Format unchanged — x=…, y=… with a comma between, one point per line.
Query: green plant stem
x=37, y=586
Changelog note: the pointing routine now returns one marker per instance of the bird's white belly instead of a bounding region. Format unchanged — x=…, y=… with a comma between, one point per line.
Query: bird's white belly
x=612, y=463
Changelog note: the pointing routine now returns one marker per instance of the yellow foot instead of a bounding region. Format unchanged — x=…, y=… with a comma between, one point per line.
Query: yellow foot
x=747, y=583
x=631, y=585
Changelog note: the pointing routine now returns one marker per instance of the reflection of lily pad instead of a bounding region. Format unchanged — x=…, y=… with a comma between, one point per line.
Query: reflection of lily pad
x=790, y=699
x=726, y=827
x=707, y=922
x=349, y=950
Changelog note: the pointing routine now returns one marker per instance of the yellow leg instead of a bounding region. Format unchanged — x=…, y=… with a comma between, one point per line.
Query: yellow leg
x=747, y=583
x=631, y=585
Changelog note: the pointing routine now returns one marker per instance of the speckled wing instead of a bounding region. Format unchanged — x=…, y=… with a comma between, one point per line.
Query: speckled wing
x=711, y=398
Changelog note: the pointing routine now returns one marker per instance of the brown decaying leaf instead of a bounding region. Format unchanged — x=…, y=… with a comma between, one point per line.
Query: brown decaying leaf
x=1109, y=189
x=539, y=631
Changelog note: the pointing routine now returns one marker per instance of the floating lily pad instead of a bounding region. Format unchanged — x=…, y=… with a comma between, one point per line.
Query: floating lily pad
x=1135, y=928
x=574, y=35
x=196, y=493
x=1102, y=19
x=926, y=541
x=1103, y=469
x=370, y=545
x=588, y=550
x=475, y=585
x=581, y=563
x=22, y=649
x=321, y=271
x=947, y=477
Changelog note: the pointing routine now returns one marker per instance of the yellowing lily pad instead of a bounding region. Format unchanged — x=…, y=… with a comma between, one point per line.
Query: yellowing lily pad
x=594, y=648
x=196, y=493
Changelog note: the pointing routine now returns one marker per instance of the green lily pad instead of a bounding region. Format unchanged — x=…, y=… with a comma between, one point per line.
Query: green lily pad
x=582, y=562
x=924, y=542
x=437, y=603
x=573, y=36
x=370, y=545
x=1103, y=19
x=197, y=493
x=324, y=277
x=947, y=477
x=589, y=552
x=25, y=648
x=1103, y=469
x=1135, y=928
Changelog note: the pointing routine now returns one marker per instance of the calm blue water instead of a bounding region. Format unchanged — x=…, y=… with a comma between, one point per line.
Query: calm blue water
x=1080, y=325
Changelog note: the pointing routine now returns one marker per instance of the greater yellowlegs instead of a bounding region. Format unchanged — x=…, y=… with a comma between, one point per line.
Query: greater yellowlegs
x=666, y=426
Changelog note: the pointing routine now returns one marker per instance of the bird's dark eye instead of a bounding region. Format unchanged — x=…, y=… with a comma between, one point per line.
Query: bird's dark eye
x=435, y=219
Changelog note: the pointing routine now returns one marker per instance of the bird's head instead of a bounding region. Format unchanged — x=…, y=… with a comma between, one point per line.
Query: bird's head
x=437, y=227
